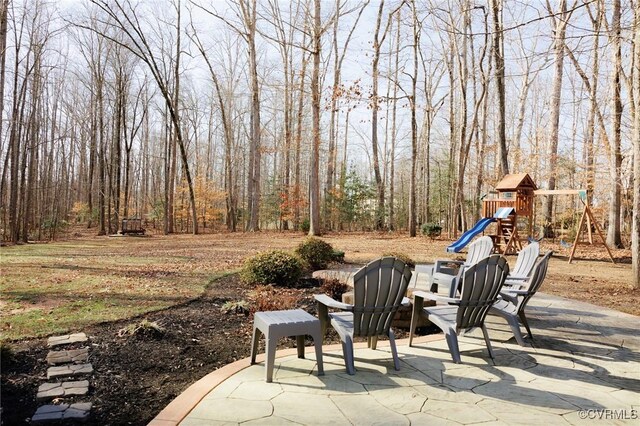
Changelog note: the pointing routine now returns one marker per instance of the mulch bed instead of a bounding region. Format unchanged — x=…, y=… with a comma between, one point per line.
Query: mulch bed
x=136, y=376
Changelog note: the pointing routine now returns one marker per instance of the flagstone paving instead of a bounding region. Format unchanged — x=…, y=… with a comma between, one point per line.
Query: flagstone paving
x=70, y=370
x=66, y=339
x=58, y=390
x=58, y=413
x=75, y=356
x=582, y=358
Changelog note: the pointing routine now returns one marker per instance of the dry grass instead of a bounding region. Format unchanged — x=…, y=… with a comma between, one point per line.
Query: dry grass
x=50, y=288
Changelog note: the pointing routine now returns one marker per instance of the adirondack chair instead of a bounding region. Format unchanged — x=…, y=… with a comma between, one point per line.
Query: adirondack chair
x=444, y=278
x=524, y=265
x=513, y=301
x=379, y=289
x=480, y=285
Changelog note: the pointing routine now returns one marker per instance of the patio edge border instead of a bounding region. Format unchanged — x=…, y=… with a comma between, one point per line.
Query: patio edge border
x=182, y=405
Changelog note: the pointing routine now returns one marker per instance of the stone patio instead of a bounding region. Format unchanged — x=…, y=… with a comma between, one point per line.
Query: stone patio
x=583, y=358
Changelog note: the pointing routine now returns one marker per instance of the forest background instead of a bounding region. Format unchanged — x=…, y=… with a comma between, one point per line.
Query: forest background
x=210, y=115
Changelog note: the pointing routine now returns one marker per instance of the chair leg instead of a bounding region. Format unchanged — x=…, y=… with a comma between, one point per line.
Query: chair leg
x=394, y=351
x=317, y=342
x=523, y=319
x=486, y=340
x=347, y=352
x=271, y=356
x=323, y=316
x=515, y=328
x=418, y=304
x=452, y=342
x=300, y=346
x=254, y=344
x=373, y=342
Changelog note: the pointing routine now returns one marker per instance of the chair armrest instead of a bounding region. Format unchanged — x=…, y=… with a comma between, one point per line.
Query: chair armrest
x=512, y=298
x=515, y=292
x=516, y=278
x=331, y=303
x=435, y=297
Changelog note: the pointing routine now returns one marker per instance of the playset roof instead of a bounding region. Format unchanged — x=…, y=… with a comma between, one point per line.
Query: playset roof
x=516, y=181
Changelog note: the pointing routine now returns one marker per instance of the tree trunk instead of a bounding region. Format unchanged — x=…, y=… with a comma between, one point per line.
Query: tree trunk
x=556, y=91
x=613, y=233
x=414, y=123
x=297, y=196
x=635, y=229
x=255, y=158
x=379, y=224
x=314, y=179
x=498, y=55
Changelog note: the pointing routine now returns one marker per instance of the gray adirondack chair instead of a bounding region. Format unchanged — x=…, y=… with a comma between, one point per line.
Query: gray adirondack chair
x=444, y=278
x=379, y=289
x=513, y=301
x=524, y=265
x=480, y=285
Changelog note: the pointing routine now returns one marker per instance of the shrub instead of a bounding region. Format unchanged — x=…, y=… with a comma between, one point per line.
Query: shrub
x=305, y=225
x=402, y=256
x=316, y=252
x=144, y=328
x=338, y=256
x=238, y=307
x=267, y=298
x=272, y=267
x=334, y=288
x=431, y=230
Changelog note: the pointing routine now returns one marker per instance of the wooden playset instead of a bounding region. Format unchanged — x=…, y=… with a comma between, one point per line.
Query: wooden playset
x=512, y=207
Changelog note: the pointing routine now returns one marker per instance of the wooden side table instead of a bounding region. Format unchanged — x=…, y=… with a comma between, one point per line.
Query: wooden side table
x=278, y=324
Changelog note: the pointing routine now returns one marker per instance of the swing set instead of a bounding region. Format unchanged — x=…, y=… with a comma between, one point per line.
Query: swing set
x=585, y=219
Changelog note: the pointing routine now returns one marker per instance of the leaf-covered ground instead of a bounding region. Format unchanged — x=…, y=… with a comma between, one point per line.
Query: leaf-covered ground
x=101, y=285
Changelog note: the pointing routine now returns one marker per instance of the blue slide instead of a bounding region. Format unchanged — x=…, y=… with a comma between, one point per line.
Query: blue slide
x=467, y=236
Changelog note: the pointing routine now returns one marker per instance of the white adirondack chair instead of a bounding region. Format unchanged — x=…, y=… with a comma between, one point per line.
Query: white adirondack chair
x=524, y=265
x=513, y=301
x=444, y=278
x=480, y=285
x=379, y=289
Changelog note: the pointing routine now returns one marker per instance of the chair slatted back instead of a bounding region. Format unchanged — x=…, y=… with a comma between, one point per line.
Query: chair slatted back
x=526, y=260
x=480, y=288
x=535, y=282
x=378, y=289
x=478, y=250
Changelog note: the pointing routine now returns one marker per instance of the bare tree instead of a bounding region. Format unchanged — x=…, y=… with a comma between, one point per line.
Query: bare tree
x=635, y=230
x=498, y=57
x=314, y=166
x=228, y=135
x=560, y=28
x=613, y=232
x=125, y=20
x=378, y=40
x=4, y=9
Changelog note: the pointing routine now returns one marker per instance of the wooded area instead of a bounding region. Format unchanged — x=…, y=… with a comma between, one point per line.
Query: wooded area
x=202, y=115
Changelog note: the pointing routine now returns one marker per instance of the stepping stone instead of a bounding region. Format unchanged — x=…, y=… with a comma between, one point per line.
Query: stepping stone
x=75, y=356
x=58, y=390
x=69, y=370
x=51, y=413
x=66, y=339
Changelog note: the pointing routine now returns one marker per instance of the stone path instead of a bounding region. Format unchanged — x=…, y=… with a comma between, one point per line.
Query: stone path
x=584, y=363
x=75, y=356
x=65, y=363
